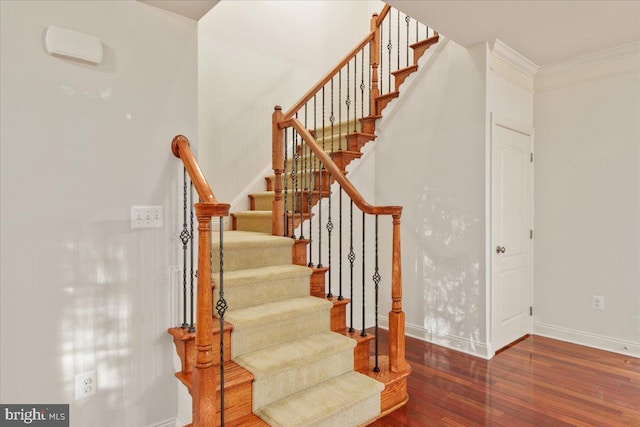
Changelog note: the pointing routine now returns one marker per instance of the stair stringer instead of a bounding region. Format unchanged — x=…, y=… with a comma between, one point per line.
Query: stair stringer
x=424, y=63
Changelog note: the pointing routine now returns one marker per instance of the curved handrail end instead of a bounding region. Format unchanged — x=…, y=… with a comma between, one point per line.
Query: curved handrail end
x=175, y=149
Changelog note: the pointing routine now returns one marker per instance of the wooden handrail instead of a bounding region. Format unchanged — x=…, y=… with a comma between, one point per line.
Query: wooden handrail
x=181, y=148
x=337, y=174
x=307, y=96
x=383, y=14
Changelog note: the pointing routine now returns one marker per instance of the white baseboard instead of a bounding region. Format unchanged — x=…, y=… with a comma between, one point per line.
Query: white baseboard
x=171, y=422
x=452, y=342
x=241, y=201
x=179, y=422
x=587, y=339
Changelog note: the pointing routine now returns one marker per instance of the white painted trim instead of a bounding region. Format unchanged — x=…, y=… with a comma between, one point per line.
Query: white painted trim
x=452, y=342
x=587, y=339
x=500, y=69
x=423, y=65
x=589, y=72
x=252, y=187
x=500, y=50
x=171, y=422
x=180, y=423
x=605, y=55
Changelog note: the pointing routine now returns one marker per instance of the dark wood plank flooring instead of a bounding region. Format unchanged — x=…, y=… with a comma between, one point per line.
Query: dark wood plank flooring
x=535, y=382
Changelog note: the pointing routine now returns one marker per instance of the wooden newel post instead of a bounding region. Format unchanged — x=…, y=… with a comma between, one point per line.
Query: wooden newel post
x=374, y=62
x=277, y=157
x=203, y=391
x=396, y=316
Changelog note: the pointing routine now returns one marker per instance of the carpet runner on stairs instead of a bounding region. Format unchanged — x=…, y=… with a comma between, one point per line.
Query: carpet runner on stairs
x=304, y=373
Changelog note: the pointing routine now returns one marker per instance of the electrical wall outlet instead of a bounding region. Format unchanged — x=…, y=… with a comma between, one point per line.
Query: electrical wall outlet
x=86, y=385
x=146, y=216
x=598, y=302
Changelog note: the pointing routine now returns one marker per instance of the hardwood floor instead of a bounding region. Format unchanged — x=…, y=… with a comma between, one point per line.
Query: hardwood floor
x=535, y=382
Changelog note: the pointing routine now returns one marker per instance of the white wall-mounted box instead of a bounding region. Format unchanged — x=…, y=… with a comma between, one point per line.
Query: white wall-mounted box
x=72, y=44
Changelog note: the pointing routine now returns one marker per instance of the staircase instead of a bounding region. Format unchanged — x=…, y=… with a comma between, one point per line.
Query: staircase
x=288, y=356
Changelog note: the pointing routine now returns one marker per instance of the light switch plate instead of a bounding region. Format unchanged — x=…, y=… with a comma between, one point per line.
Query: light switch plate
x=146, y=216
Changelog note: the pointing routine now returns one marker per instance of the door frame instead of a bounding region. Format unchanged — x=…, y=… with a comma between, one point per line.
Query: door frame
x=498, y=120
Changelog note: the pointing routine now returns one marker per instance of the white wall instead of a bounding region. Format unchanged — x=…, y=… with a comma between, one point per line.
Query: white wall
x=430, y=159
x=82, y=143
x=587, y=205
x=252, y=56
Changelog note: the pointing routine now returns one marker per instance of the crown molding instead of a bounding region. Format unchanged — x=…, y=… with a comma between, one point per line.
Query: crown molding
x=606, y=55
x=500, y=50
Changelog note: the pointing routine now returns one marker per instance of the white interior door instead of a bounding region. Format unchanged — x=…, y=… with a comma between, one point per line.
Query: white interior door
x=511, y=221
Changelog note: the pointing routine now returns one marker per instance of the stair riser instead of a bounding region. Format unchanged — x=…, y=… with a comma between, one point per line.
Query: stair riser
x=293, y=380
x=339, y=142
x=421, y=47
x=368, y=124
x=246, y=339
x=394, y=394
x=358, y=140
x=237, y=402
x=317, y=287
x=240, y=295
x=355, y=413
x=383, y=101
x=249, y=257
x=338, y=128
x=256, y=224
x=299, y=252
x=359, y=413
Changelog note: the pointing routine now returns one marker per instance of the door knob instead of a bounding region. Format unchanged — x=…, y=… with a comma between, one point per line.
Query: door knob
x=500, y=249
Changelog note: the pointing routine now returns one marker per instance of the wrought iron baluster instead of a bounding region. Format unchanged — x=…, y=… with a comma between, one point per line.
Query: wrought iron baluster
x=347, y=103
x=184, y=238
x=370, y=71
x=320, y=185
x=307, y=166
x=417, y=31
x=221, y=307
x=362, y=87
x=298, y=191
x=398, y=39
x=355, y=91
x=389, y=48
x=363, y=333
x=286, y=182
x=352, y=258
x=312, y=162
x=340, y=296
x=381, y=68
x=340, y=107
x=407, y=18
x=376, y=281
x=332, y=119
x=192, y=327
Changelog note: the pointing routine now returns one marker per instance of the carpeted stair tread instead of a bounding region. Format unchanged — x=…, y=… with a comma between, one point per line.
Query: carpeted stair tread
x=257, y=221
x=273, y=310
x=247, y=250
x=350, y=399
x=272, y=360
x=243, y=288
x=263, y=200
x=274, y=323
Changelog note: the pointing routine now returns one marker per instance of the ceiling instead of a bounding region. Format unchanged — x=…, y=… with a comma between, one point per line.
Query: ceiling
x=545, y=32
x=193, y=9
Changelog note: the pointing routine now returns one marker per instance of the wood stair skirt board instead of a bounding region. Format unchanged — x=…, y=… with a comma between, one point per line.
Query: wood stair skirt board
x=419, y=48
x=401, y=75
